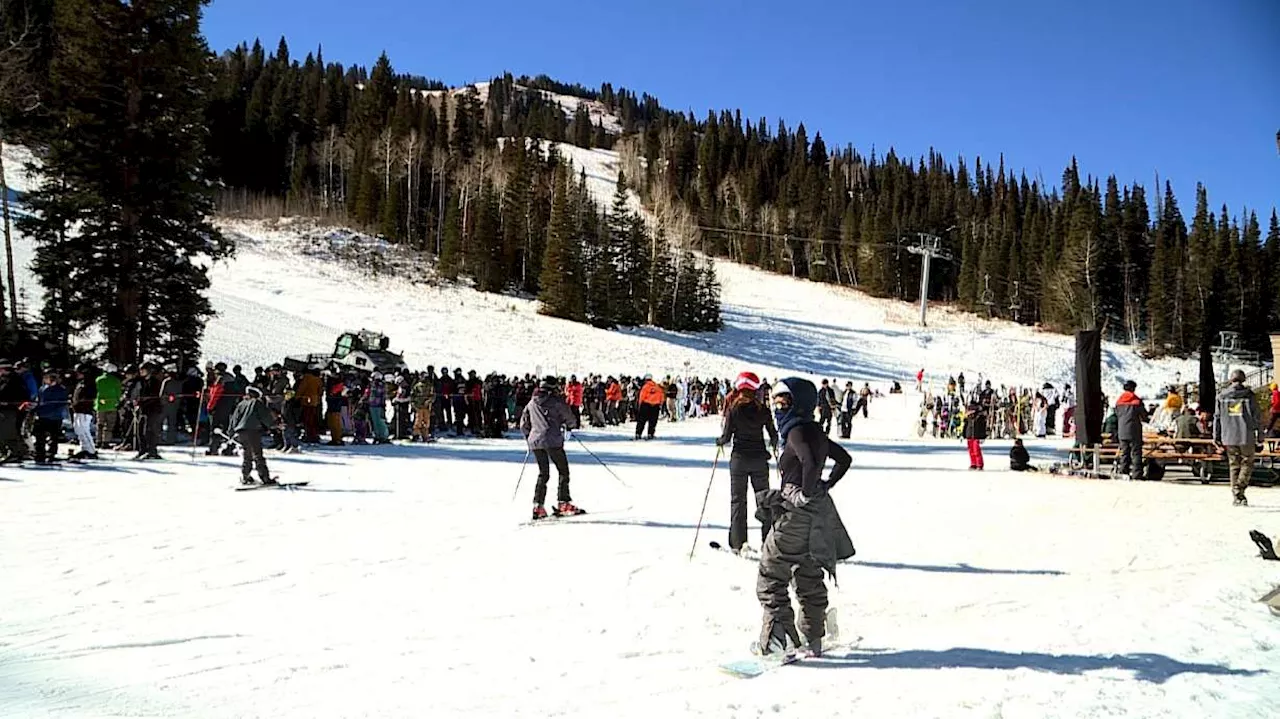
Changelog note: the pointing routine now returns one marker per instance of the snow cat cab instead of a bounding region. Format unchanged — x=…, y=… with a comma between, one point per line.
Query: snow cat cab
x=363, y=352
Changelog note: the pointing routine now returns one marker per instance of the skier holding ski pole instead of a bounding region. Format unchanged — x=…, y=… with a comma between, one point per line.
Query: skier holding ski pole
x=745, y=423
x=807, y=535
x=543, y=423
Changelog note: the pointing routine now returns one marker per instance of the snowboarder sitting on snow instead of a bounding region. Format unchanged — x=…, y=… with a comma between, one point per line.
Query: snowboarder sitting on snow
x=249, y=420
x=543, y=424
x=1019, y=458
x=807, y=535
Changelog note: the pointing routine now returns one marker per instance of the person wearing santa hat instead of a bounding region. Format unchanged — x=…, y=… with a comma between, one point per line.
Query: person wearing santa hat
x=745, y=422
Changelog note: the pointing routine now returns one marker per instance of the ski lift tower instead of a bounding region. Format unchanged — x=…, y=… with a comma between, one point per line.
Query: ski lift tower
x=1228, y=350
x=930, y=247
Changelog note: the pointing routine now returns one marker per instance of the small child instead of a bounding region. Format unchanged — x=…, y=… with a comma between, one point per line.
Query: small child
x=1019, y=459
x=975, y=430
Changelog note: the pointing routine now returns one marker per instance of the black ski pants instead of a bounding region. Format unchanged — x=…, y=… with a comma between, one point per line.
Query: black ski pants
x=545, y=457
x=47, y=433
x=646, y=414
x=744, y=469
x=252, y=457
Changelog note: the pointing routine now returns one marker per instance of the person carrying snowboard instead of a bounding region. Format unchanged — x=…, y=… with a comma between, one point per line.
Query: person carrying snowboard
x=745, y=422
x=249, y=420
x=807, y=536
x=543, y=423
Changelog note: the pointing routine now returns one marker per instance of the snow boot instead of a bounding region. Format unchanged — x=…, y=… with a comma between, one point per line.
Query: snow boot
x=247, y=480
x=539, y=513
x=566, y=509
x=269, y=481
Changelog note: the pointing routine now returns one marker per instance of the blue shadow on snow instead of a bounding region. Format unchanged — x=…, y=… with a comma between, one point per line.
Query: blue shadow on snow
x=1154, y=668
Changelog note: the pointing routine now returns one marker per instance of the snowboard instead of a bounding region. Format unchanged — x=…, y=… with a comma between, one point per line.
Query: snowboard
x=278, y=485
x=749, y=553
x=756, y=664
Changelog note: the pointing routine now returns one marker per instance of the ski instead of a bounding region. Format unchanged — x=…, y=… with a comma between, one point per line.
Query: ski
x=553, y=519
x=277, y=485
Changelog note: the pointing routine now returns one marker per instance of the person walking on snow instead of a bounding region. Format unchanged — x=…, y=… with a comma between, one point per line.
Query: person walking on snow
x=745, y=422
x=806, y=536
x=648, y=405
x=1236, y=429
x=249, y=421
x=544, y=423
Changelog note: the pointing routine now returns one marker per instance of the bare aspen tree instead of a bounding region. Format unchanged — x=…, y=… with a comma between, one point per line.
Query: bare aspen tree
x=16, y=94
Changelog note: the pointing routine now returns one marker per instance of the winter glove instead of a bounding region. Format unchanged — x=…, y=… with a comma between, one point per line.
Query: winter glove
x=793, y=494
x=720, y=442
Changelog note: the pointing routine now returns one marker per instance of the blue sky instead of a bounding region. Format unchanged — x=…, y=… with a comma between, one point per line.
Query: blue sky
x=1186, y=88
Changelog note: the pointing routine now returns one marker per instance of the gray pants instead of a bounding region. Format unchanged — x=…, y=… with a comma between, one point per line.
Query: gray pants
x=1240, y=467
x=1130, y=459
x=741, y=470
x=785, y=558
x=251, y=448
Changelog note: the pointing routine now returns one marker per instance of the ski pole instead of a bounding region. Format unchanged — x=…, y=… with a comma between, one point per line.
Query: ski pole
x=520, y=479
x=698, y=530
x=601, y=461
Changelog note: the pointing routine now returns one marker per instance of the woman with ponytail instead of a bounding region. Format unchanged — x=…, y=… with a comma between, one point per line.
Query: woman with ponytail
x=746, y=420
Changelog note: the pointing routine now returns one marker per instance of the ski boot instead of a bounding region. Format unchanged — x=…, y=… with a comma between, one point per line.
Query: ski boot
x=539, y=513
x=566, y=509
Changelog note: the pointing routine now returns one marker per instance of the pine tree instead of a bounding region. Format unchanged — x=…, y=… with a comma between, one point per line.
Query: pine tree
x=130, y=81
x=561, y=280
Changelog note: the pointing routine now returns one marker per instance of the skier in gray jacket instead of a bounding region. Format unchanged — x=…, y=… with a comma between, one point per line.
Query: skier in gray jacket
x=249, y=420
x=543, y=423
x=1236, y=428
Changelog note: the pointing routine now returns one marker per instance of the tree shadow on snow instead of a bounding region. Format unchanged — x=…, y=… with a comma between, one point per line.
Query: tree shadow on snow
x=783, y=344
x=1154, y=668
x=959, y=568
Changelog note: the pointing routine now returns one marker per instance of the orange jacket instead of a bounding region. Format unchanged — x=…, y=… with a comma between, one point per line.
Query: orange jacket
x=573, y=394
x=613, y=392
x=651, y=393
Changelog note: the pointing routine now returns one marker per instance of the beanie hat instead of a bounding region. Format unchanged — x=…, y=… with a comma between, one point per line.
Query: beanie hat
x=747, y=380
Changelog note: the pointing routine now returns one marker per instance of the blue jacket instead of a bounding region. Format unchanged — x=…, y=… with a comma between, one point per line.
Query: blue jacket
x=52, y=404
x=33, y=387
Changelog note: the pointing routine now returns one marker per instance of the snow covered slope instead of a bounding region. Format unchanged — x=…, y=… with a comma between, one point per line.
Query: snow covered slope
x=401, y=584
x=277, y=298
x=288, y=291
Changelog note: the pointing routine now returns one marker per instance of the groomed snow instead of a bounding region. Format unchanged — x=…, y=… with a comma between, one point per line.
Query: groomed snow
x=401, y=584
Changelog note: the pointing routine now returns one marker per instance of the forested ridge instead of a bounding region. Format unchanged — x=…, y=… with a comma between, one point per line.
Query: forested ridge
x=466, y=175
x=1088, y=252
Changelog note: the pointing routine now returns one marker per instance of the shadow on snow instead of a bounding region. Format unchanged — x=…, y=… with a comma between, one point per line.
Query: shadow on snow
x=1154, y=668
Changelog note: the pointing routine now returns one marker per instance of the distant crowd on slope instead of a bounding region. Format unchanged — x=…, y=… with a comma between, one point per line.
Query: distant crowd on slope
x=140, y=408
